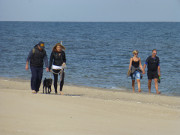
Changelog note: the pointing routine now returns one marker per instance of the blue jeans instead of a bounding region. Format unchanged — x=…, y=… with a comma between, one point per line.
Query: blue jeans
x=36, y=77
x=136, y=75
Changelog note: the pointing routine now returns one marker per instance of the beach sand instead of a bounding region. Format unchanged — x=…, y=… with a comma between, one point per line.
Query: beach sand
x=85, y=111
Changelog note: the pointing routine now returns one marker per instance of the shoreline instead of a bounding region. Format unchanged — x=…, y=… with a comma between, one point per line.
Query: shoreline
x=122, y=89
x=98, y=93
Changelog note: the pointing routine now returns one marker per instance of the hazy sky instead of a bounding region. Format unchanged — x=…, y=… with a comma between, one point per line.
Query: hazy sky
x=90, y=10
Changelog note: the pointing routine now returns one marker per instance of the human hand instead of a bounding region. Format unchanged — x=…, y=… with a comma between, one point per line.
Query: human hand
x=64, y=65
x=143, y=72
x=26, y=67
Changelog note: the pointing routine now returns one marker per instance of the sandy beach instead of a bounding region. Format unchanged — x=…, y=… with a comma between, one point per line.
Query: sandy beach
x=85, y=111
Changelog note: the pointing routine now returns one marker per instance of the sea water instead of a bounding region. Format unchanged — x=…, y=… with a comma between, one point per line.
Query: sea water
x=97, y=54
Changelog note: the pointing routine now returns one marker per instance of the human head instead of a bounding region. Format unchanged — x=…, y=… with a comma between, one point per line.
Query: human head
x=58, y=47
x=154, y=52
x=41, y=45
x=135, y=52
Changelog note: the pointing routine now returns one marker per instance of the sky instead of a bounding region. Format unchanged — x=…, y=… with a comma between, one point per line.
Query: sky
x=90, y=10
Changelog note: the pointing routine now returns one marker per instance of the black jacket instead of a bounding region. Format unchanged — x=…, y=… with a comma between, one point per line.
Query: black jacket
x=37, y=57
x=57, y=58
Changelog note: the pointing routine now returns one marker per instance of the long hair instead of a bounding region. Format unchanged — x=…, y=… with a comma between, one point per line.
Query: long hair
x=58, y=44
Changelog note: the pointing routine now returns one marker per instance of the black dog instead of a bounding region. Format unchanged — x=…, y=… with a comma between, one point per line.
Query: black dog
x=47, y=85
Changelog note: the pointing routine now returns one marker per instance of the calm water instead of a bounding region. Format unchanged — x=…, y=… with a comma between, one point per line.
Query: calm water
x=97, y=53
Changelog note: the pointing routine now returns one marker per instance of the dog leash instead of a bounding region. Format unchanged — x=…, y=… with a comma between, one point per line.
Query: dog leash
x=54, y=72
x=60, y=72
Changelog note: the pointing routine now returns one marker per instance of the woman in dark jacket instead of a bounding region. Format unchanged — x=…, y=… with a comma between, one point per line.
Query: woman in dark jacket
x=57, y=64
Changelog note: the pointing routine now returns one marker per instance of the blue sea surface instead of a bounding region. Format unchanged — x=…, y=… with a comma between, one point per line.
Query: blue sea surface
x=97, y=54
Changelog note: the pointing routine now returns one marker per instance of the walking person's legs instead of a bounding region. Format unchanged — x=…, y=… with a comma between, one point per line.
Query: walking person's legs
x=133, y=81
x=55, y=82
x=156, y=85
x=150, y=77
x=139, y=85
x=133, y=85
x=56, y=72
x=138, y=77
x=149, y=85
x=39, y=78
x=61, y=81
x=33, y=79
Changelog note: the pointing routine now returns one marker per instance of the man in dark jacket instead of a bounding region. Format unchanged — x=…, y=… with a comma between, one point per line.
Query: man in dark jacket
x=153, y=65
x=37, y=56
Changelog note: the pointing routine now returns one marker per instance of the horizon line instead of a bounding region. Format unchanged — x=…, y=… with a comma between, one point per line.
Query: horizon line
x=100, y=21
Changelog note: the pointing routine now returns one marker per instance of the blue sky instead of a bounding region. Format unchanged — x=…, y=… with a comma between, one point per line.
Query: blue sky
x=90, y=10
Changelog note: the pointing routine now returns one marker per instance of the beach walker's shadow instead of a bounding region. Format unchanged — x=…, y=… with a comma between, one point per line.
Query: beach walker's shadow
x=70, y=95
x=74, y=95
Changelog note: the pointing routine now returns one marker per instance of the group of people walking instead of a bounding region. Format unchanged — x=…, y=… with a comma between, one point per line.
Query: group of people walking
x=37, y=57
x=136, y=70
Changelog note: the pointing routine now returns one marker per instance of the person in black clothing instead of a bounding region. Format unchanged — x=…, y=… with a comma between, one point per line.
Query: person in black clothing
x=37, y=56
x=153, y=65
x=136, y=69
x=57, y=64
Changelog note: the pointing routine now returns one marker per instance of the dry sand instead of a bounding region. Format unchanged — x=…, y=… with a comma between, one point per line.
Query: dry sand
x=85, y=111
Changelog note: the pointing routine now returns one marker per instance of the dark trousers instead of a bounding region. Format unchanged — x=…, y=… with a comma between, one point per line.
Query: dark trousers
x=61, y=73
x=36, y=77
